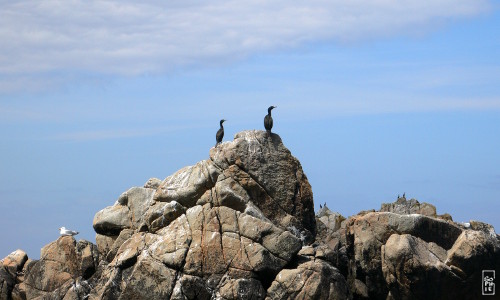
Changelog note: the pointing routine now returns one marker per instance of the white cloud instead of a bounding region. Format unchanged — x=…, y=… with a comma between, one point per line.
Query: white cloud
x=130, y=37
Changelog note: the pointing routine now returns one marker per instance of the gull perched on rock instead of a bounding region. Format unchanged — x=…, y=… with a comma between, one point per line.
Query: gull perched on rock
x=66, y=232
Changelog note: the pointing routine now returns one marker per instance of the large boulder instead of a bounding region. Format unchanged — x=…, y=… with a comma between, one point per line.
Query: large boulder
x=7, y=282
x=188, y=184
x=332, y=220
x=207, y=243
x=415, y=269
x=225, y=226
x=12, y=270
x=412, y=206
x=313, y=279
x=63, y=263
x=128, y=212
x=271, y=176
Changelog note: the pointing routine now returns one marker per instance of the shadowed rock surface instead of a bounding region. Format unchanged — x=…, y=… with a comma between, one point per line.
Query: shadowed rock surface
x=241, y=225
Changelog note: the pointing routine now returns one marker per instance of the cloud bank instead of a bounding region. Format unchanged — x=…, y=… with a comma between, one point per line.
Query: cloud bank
x=130, y=37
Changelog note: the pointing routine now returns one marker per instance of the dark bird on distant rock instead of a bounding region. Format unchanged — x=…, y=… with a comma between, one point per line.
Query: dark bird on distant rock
x=220, y=133
x=320, y=206
x=268, y=120
x=404, y=195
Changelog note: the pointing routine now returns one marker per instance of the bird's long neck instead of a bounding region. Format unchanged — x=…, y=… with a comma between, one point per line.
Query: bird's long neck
x=269, y=111
x=221, y=124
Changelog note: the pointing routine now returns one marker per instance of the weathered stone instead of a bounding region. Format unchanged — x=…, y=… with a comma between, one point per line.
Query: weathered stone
x=111, y=220
x=310, y=280
x=332, y=220
x=105, y=243
x=129, y=250
x=266, y=167
x=18, y=292
x=191, y=288
x=163, y=213
x=7, y=282
x=480, y=226
x=367, y=233
x=89, y=258
x=153, y=183
x=406, y=260
x=412, y=206
x=149, y=280
x=79, y=289
x=242, y=288
x=14, y=262
x=445, y=216
x=473, y=252
x=230, y=193
x=139, y=201
x=307, y=251
x=124, y=235
x=260, y=258
x=171, y=244
x=61, y=262
x=187, y=185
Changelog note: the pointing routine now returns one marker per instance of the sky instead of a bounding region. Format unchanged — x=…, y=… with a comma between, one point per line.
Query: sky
x=375, y=98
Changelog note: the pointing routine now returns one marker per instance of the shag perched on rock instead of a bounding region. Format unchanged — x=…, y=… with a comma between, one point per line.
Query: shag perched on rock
x=220, y=133
x=268, y=120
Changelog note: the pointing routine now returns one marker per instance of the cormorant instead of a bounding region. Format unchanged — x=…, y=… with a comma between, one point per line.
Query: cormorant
x=268, y=120
x=220, y=133
x=320, y=206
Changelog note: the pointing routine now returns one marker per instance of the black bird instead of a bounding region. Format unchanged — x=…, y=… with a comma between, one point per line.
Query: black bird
x=320, y=206
x=268, y=120
x=220, y=133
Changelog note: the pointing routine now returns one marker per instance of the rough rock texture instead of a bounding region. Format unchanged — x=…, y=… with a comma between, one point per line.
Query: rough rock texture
x=63, y=263
x=272, y=178
x=412, y=206
x=222, y=228
x=241, y=225
x=332, y=220
x=310, y=280
x=416, y=256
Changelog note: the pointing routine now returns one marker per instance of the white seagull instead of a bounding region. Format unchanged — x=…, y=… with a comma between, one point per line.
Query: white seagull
x=66, y=232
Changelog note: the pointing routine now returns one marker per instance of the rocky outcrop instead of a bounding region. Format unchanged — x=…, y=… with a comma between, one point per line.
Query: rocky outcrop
x=240, y=225
x=412, y=206
x=63, y=265
x=412, y=256
x=226, y=226
x=61, y=272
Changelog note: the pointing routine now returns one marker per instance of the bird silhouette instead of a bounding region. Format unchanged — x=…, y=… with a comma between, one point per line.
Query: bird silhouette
x=220, y=133
x=268, y=120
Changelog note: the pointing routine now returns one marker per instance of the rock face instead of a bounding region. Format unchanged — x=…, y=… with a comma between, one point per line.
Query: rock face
x=412, y=206
x=416, y=256
x=241, y=225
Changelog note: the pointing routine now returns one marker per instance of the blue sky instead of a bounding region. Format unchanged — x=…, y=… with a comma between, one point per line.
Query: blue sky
x=375, y=98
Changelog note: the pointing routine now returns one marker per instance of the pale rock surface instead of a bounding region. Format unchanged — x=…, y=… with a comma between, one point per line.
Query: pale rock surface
x=311, y=280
